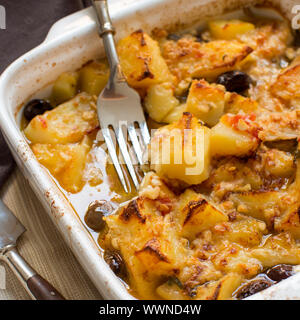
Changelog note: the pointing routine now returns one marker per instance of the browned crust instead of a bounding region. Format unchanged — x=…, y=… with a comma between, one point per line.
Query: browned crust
x=192, y=208
x=187, y=120
x=153, y=248
x=216, y=292
x=146, y=73
x=246, y=51
x=139, y=35
x=286, y=72
x=132, y=210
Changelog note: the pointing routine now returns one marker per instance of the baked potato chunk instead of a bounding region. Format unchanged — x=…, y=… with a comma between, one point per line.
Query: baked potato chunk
x=289, y=220
x=141, y=60
x=235, y=103
x=170, y=290
x=66, y=162
x=206, y=101
x=93, y=78
x=221, y=289
x=268, y=39
x=65, y=87
x=67, y=123
x=278, y=249
x=245, y=231
x=283, y=125
x=175, y=114
x=181, y=151
x=229, y=29
x=160, y=101
x=235, y=258
x=155, y=255
x=262, y=205
x=279, y=163
x=234, y=135
x=204, y=60
x=144, y=236
x=287, y=84
x=196, y=214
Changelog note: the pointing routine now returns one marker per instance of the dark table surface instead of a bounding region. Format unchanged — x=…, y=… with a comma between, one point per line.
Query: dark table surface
x=27, y=24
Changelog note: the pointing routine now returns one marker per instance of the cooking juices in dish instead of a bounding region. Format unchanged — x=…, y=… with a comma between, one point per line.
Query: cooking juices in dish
x=220, y=218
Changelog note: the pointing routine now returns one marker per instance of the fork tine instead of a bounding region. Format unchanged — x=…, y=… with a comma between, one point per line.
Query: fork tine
x=145, y=132
x=126, y=156
x=135, y=143
x=114, y=158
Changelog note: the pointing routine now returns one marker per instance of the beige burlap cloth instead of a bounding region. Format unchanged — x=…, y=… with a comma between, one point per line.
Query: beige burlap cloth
x=42, y=246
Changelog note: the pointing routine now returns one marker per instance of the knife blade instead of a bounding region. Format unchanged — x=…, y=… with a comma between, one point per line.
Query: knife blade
x=10, y=227
x=10, y=230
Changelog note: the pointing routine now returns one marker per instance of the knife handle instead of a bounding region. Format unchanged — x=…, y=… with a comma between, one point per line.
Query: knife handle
x=41, y=289
x=37, y=287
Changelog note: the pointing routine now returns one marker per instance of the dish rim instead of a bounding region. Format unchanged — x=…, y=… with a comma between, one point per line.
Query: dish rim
x=57, y=206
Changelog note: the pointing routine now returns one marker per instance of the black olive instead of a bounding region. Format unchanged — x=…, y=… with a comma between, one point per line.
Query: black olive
x=183, y=97
x=36, y=107
x=96, y=211
x=115, y=262
x=235, y=81
x=280, y=272
x=173, y=36
x=175, y=280
x=283, y=145
x=199, y=38
x=252, y=287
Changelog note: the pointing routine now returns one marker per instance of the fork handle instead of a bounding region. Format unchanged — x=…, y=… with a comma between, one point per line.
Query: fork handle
x=105, y=24
x=106, y=32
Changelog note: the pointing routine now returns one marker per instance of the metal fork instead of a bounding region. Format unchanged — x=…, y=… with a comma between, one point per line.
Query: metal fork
x=119, y=106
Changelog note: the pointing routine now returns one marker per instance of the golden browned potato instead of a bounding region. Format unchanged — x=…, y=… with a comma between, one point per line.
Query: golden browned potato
x=287, y=84
x=141, y=60
x=245, y=231
x=229, y=29
x=93, y=78
x=221, y=289
x=196, y=214
x=279, y=163
x=277, y=249
x=262, y=205
x=181, y=151
x=235, y=258
x=283, y=125
x=234, y=135
x=269, y=39
x=187, y=58
x=171, y=291
x=235, y=103
x=206, y=101
x=155, y=255
x=65, y=87
x=143, y=234
x=67, y=123
x=175, y=114
x=160, y=101
x=66, y=162
x=289, y=220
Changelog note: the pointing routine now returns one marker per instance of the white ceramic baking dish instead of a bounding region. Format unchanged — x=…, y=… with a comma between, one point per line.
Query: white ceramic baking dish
x=71, y=42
